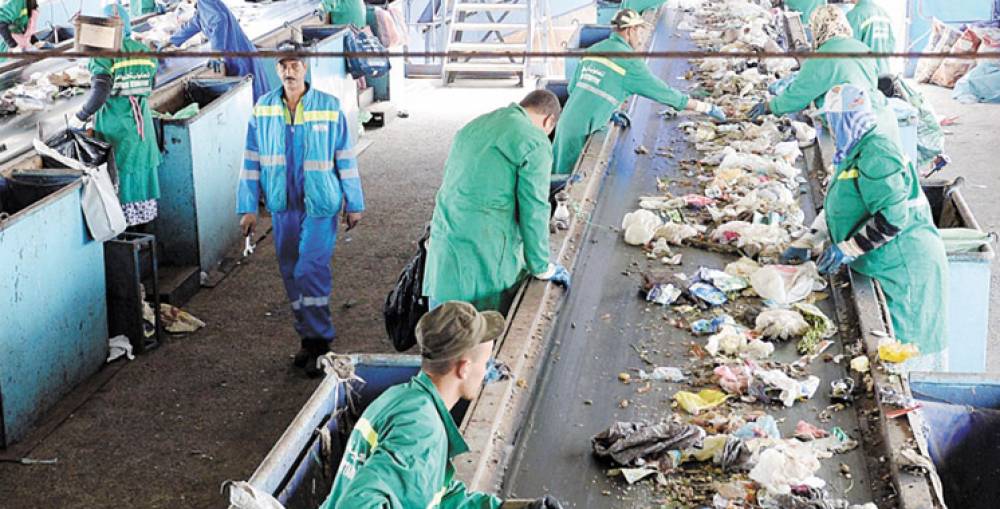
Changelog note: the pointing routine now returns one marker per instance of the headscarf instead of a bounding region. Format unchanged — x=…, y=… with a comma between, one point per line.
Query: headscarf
x=115, y=8
x=849, y=114
x=827, y=22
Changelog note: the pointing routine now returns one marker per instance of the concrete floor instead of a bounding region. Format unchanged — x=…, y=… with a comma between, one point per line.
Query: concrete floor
x=974, y=145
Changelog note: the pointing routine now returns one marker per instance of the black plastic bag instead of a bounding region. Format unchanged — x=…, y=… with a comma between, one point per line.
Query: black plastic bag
x=406, y=303
x=76, y=145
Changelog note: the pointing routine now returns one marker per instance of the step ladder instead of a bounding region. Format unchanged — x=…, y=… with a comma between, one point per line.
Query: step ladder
x=488, y=26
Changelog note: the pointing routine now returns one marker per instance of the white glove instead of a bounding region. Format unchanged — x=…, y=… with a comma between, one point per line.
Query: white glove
x=76, y=124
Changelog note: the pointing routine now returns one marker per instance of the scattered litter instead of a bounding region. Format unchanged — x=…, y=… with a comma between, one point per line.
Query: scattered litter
x=119, y=346
x=789, y=389
x=744, y=268
x=633, y=475
x=708, y=294
x=842, y=390
x=675, y=233
x=808, y=432
x=891, y=350
x=705, y=399
x=640, y=443
x=734, y=379
x=721, y=280
x=783, y=285
x=663, y=294
x=664, y=373
x=177, y=321
x=639, y=227
x=763, y=427
x=820, y=327
x=861, y=364
x=782, y=324
x=711, y=325
x=787, y=464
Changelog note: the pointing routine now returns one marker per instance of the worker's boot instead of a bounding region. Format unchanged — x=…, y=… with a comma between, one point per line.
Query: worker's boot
x=302, y=356
x=316, y=348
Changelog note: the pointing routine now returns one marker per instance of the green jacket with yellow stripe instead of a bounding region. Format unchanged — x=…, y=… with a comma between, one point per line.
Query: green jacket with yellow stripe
x=598, y=88
x=399, y=455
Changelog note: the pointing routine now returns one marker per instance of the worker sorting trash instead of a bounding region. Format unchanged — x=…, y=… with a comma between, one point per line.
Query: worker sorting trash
x=347, y=254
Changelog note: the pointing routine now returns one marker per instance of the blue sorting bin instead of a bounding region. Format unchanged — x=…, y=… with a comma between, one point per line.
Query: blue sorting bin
x=584, y=37
x=53, y=307
x=203, y=155
x=962, y=413
x=968, y=281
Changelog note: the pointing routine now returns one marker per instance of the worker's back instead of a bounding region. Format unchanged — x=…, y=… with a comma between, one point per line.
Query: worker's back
x=871, y=25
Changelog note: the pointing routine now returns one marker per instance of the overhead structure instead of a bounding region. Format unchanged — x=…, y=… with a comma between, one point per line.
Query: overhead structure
x=479, y=28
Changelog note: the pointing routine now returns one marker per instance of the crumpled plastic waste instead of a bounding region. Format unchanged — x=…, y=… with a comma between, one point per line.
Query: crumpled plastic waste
x=663, y=294
x=787, y=464
x=177, y=321
x=243, y=495
x=639, y=443
x=186, y=112
x=639, y=226
x=664, y=373
x=789, y=389
x=119, y=346
x=891, y=350
x=734, y=341
x=755, y=239
x=820, y=328
x=763, y=427
x=842, y=390
x=804, y=133
x=807, y=432
x=861, y=364
x=675, y=233
x=711, y=325
x=783, y=285
x=805, y=497
x=705, y=399
x=838, y=442
x=634, y=475
x=708, y=294
x=779, y=323
x=721, y=280
x=734, y=379
x=744, y=268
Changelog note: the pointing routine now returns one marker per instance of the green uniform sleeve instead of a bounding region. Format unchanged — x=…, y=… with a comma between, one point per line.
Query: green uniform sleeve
x=811, y=82
x=883, y=183
x=100, y=65
x=533, y=207
x=457, y=497
x=638, y=80
x=13, y=11
x=404, y=470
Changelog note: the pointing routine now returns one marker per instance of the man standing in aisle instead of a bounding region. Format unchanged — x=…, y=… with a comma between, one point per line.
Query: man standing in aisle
x=491, y=214
x=299, y=151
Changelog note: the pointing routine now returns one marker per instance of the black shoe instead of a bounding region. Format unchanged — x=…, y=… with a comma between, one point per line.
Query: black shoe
x=315, y=349
x=301, y=358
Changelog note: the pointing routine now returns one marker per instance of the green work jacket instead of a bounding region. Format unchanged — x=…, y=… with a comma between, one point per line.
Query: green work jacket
x=15, y=13
x=140, y=7
x=137, y=155
x=346, y=12
x=806, y=7
x=598, y=88
x=872, y=26
x=641, y=6
x=911, y=268
x=491, y=214
x=398, y=455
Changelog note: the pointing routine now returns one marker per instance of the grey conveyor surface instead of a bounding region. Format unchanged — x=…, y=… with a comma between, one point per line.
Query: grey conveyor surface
x=17, y=131
x=604, y=320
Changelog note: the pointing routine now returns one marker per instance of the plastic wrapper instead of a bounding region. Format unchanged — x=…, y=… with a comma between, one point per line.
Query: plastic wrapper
x=708, y=294
x=663, y=294
x=711, y=325
x=820, y=328
x=780, y=323
x=639, y=227
x=635, y=443
x=744, y=268
x=721, y=280
x=783, y=285
x=734, y=341
x=804, y=133
x=787, y=464
x=891, y=350
x=675, y=233
x=763, y=239
x=664, y=374
x=705, y=399
x=788, y=389
x=764, y=427
x=734, y=378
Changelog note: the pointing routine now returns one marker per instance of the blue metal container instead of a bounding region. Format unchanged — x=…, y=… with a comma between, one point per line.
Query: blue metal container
x=908, y=119
x=968, y=282
x=584, y=37
x=330, y=74
x=297, y=472
x=53, y=310
x=197, y=221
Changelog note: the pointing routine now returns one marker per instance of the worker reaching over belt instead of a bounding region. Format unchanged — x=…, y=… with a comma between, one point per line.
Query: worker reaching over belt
x=491, y=215
x=299, y=153
x=879, y=222
x=224, y=33
x=17, y=25
x=600, y=86
x=398, y=456
x=346, y=12
x=118, y=102
x=833, y=34
x=872, y=26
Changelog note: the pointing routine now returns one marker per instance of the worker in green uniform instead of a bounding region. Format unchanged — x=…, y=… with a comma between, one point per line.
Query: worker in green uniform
x=642, y=6
x=17, y=25
x=142, y=7
x=346, y=12
x=119, y=89
x=398, y=455
x=879, y=223
x=602, y=84
x=805, y=8
x=872, y=26
x=817, y=76
x=490, y=227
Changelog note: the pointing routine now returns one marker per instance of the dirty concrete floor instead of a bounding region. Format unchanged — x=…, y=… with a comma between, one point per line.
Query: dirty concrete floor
x=172, y=425
x=974, y=146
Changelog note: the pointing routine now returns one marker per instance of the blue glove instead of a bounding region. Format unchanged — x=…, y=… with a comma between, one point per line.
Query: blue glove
x=758, y=110
x=621, y=119
x=496, y=371
x=795, y=255
x=832, y=259
x=717, y=113
x=559, y=276
x=215, y=65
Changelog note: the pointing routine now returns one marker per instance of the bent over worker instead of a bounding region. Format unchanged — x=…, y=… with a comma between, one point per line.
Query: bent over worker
x=491, y=215
x=346, y=12
x=602, y=84
x=300, y=155
x=224, y=33
x=399, y=454
x=118, y=101
x=872, y=26
x=17, y=25
x=879, y=222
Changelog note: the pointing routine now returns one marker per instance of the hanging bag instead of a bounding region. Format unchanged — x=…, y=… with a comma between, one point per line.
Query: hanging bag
x=368, y=59
x=406, y=303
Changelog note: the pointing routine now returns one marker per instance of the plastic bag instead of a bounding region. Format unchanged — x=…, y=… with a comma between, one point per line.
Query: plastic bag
x=891, y=350
x=675, y=233
x=783, y=285
x=764, y=239
x=788, y=464
x=639, y=227
x=703, y=400
x=964, y=240
x=372, y=65
x=406, y=303
x=780, y=324
x=101, y=207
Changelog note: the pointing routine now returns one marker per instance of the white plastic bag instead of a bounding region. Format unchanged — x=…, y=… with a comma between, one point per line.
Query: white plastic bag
x=101, y=208
x=786, y=284
x=780, y=324
x=639, y=226
x=243, y=495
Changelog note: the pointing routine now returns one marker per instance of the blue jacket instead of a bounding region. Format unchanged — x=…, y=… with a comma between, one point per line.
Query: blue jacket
x=329, y=164
x=224, y=33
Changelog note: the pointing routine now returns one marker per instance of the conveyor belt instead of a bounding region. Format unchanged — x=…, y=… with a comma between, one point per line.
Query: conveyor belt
x=604, y=320
x=17, y=131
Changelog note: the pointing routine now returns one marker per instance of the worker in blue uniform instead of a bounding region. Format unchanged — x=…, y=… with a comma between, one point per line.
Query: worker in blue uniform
x=223, y=31
x=299, y=154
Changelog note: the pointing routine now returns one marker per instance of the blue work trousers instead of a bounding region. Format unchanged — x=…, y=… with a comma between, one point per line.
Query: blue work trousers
x=305, y=248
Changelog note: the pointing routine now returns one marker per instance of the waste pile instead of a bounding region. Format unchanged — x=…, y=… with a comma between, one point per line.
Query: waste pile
x=42, y=88
x=721, y=446
x=163, y=26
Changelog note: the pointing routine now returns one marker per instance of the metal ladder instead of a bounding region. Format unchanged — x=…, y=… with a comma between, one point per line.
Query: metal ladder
x=483, y=26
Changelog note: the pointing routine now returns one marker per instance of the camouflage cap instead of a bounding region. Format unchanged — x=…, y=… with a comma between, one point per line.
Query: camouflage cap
x=453, y=328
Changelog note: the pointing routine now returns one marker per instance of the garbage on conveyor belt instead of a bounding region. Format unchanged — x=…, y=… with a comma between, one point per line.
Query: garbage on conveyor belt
x=640, y=443
x=696, y=403
x=790, y=463
x=163, y=26
x=42, y=88
x=774, y=385
x=708, y=294
x=736, y=341
x=664, y=373
x=783, y=285
x=891, y=350
x=721, y=280
x=820, y=328
x=782, y=324
x=711, y=325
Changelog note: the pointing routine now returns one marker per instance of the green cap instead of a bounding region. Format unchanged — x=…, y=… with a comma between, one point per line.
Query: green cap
x=455, y=327
x=627, y=18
